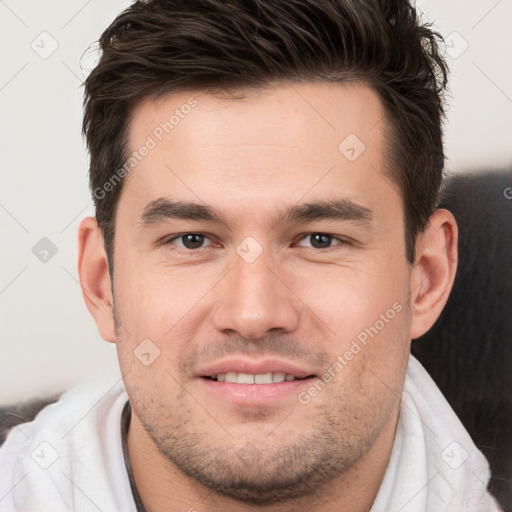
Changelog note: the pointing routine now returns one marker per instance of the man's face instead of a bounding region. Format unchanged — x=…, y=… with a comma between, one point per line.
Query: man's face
x=258, y=237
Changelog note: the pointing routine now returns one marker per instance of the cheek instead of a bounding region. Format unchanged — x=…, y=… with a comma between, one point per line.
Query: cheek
x=363, y=316
x=346, y=301
x=155, y=301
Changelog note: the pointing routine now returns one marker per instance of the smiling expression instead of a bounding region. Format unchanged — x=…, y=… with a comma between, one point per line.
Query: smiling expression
x=251, y=250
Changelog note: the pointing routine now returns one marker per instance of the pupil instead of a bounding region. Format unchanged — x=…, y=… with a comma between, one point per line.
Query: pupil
x=193, y=241
x=320, y=241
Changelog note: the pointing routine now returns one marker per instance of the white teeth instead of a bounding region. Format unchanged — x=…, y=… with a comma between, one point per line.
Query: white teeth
x=231, y=377
x=247, y=378
x=263, y=378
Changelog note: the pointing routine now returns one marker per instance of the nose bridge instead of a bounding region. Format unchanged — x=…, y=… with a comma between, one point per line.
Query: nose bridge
x=252, y=299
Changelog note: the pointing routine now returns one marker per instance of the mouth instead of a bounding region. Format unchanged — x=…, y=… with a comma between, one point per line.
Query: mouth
x=252, y=383
x=260, y=378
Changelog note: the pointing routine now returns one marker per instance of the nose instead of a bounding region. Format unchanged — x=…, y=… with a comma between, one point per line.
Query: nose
x=254, y=300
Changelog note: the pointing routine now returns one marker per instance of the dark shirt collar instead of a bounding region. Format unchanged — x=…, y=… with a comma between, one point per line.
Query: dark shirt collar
x=125, y=425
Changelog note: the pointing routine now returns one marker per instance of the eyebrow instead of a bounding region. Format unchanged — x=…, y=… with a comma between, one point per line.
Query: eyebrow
x=162, y=209
x=337, y=209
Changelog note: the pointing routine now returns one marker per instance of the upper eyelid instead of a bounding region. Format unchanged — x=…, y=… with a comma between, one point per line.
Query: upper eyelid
x=172, y=238
x=338, y=238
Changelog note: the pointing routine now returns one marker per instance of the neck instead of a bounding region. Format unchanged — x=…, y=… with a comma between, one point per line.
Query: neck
x=162, y=487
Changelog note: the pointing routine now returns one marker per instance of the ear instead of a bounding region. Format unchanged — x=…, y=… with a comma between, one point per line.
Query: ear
x=95, y=278
x=434, y=271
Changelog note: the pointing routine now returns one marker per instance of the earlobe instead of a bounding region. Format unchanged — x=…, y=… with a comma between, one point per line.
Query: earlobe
x=95, y=278
x=434, y=271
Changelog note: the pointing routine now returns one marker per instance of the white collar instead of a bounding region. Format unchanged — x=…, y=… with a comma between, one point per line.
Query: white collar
x=434, y=465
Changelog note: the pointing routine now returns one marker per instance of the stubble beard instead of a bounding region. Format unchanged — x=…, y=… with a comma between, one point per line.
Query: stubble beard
x=257, y=472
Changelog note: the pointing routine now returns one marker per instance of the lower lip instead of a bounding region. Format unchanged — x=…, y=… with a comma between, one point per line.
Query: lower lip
x=256, y=394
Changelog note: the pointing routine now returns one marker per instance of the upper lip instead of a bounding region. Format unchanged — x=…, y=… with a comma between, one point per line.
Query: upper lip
x=254, y=367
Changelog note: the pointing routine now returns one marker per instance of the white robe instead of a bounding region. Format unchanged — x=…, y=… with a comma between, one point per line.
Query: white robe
x=70, y=457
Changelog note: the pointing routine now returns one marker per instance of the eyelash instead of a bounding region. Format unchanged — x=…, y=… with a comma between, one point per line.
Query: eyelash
x=340, y=240
x=169, y=241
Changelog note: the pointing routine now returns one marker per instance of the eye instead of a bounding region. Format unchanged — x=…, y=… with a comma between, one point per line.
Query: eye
x=319, y=241
x=189, y=241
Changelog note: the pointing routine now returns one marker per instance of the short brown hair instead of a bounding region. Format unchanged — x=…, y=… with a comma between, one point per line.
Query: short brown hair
x=160, y=46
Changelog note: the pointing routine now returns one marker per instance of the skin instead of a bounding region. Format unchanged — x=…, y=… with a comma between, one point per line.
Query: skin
x=250, y=159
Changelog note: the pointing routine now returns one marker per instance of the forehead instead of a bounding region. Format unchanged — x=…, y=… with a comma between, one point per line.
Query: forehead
x=292, y=140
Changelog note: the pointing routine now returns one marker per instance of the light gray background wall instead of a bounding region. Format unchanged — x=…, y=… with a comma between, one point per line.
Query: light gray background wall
x=48, y=341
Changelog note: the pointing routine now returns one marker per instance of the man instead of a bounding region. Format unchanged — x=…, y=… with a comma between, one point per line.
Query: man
x=266, y=245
